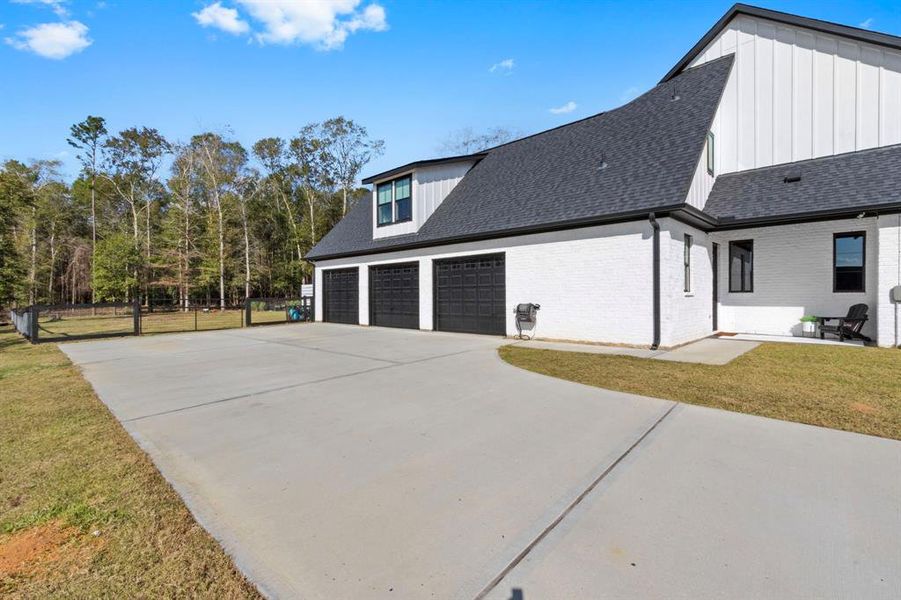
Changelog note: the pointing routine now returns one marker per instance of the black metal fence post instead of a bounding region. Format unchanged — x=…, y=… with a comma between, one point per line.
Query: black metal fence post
x=247, y=307
x=33, y=326
x=195, y=318
x=136, y=315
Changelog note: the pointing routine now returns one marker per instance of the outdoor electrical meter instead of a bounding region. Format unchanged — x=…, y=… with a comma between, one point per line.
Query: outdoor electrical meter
x=896, y=294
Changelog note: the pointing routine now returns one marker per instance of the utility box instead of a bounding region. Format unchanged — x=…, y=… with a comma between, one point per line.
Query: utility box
x=525, y=318
x=896, y=294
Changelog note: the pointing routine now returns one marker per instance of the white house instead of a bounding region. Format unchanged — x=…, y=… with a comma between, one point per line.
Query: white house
x=758, y=182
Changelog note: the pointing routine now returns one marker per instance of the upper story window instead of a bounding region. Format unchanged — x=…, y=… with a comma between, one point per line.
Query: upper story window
x=711, y=147
x=848, y=262
x=394, y=201
x=741, y=266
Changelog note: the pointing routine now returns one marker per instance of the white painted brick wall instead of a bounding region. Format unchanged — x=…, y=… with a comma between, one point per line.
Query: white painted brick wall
x=793, y=277
x=889, y=313
x=593, y=284
x=684, y=316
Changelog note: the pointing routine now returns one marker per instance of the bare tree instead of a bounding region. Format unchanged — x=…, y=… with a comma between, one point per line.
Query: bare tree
x=311, y=159
x=133, y=159
x=220, y=162
x=350, y=149
x=467, y=141
x=181, y=185
x=87, y=137
x=247, y=186
x=272, y=153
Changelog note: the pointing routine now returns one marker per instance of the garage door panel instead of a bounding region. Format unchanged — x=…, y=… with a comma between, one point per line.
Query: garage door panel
x=470, y=294
x=394, y=295
x=341, y=299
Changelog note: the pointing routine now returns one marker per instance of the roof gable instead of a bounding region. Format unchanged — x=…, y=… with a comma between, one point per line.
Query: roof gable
x=863, y=35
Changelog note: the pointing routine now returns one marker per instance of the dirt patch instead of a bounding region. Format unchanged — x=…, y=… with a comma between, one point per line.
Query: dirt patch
x=863, y=408
x=53, y=544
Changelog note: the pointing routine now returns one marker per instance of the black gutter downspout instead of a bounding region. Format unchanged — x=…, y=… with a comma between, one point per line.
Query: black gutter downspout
x=656, y=226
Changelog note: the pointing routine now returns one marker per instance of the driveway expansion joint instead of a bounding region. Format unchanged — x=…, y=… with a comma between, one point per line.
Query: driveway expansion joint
x=547, y=530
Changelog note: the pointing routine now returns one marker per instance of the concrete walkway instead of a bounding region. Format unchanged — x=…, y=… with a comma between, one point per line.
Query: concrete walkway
x=346, y=462
x=708, y=351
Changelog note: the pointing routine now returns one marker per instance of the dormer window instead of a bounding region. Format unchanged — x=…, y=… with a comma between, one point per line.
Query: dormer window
x=394, y=201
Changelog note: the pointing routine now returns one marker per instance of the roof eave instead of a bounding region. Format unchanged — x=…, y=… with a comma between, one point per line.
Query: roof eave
x=622, y=217
x=475, y=157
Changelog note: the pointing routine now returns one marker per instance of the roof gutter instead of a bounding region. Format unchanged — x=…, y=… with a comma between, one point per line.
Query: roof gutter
x=656, y=275
x=474, y=157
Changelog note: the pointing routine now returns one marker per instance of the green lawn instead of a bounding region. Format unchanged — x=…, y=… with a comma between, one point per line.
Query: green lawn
x=83, y=511
x=855, y=389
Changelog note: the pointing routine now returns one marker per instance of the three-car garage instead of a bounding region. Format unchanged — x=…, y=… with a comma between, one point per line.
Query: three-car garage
x=468, y=294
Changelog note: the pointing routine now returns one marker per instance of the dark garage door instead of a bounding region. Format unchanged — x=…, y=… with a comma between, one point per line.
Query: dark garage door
x=470, y=294
x=394, y=295
x=341, y=298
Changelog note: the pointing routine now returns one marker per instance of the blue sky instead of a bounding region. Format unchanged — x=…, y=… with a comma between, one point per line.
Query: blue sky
x=411, y=72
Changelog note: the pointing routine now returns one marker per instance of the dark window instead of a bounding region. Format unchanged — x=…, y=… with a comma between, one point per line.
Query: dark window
x=711, y=147
x=741, y=266
x=395, y=201
x=686, y=261
x=403, y=201
x=385, y=216
x=848, y=261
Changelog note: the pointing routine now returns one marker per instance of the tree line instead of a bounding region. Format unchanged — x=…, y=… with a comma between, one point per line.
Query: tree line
x=203, y=221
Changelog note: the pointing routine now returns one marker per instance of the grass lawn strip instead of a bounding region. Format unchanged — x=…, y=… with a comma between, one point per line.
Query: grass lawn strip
x=854, y=389
x=83, y=511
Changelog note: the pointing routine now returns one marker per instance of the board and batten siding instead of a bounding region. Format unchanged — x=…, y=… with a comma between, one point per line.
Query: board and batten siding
x=701, y=182
x=796, y=94
x=430, y=186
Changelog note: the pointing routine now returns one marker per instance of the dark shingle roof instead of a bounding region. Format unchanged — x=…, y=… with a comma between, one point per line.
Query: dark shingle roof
x=832, y=184
x=651, y=147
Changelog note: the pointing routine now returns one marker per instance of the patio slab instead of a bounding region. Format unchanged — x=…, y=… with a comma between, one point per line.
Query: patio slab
x=709, y=351
x=790, y=339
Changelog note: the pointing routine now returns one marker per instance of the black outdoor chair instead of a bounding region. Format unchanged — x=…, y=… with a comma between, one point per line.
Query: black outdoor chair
x=848, y=326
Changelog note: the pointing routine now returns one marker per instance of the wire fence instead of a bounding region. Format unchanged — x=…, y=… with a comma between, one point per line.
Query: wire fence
x=62, y=322
x=268, y=311
x=174, y=319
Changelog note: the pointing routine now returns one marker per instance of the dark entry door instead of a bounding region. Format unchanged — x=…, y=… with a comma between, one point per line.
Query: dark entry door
x=470, y=294
x=394, y=295
x=715, y=259
x=341, y=296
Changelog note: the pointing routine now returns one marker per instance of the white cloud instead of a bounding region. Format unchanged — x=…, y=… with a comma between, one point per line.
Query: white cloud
x=505, y=66
x=867, y=23
x=52, y=40
x=324, y=24
x=226, y=19
x=562, y=110
x=58, y=6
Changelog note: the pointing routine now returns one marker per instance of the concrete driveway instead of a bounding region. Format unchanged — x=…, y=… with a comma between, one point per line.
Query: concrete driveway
x=337, y=461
